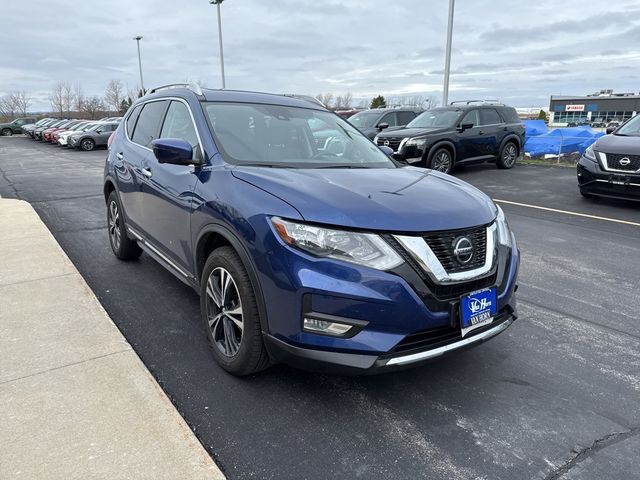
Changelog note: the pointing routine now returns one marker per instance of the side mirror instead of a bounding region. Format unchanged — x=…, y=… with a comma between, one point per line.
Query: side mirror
x=173, y=150
x=382, y=126
x=388, y=151
x=610, y=130
x=465, y=126
x=98, y=131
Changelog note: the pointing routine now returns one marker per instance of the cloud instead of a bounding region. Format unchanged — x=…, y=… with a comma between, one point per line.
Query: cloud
x=501, y=49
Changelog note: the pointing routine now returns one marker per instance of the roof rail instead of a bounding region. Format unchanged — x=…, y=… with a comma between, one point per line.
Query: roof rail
x=194, y=87
x=482, y=102
x=308, y=98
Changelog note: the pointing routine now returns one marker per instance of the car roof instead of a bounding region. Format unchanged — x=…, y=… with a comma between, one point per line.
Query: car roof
x=236, y=96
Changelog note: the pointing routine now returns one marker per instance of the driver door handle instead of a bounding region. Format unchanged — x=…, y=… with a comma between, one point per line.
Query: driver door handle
x=147, y=172
x=119, y=156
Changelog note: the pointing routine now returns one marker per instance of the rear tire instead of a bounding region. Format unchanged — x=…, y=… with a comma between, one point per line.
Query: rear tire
x=230, y=315
x=508, y=156
x=122, y=246
x=6, y=132
x=441, y=161
x=87, y=145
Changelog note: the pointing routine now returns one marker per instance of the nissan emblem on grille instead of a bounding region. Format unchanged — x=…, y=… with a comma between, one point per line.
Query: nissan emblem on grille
x=624, y=161
x=463, y=250
x=386, y=143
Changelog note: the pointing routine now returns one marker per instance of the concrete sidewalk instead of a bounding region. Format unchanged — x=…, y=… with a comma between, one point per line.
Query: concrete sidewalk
x=76, y=402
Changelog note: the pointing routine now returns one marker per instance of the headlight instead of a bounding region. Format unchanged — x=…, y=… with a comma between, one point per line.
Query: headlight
x=362, y=248
x=504, y=232
x=590, y=154
x=417, y=142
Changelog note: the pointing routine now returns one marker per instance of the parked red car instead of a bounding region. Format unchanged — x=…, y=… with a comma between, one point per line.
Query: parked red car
x=47, y=135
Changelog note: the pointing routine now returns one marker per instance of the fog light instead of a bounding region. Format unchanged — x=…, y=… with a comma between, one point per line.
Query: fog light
x=322, y=326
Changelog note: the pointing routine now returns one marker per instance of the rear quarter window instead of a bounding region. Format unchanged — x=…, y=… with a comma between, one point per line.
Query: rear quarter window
x=510, y=115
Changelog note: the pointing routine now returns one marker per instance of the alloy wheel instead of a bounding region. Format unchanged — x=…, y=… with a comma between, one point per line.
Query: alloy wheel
x=224, y=312
x=509, y=155
x=442, y=162
x=7, y=132
x=87, y=145
x=114, y=225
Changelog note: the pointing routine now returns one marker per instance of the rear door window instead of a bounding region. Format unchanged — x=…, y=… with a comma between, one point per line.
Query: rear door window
x=488, y=116
x=148, y=124
x=405, y=117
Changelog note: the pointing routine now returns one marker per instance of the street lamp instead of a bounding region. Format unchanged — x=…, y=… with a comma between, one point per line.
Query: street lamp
x=218, y=3
x=447, y=61
x=137, y=39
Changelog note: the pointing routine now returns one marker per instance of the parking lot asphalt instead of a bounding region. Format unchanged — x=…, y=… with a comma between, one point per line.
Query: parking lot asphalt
x=555, y=396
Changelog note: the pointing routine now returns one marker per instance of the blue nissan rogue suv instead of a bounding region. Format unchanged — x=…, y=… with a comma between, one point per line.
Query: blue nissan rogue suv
x=306, y=242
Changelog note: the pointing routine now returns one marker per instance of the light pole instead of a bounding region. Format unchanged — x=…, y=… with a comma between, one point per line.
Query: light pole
x=447, y=61
x=218, y=3
x=137, y=39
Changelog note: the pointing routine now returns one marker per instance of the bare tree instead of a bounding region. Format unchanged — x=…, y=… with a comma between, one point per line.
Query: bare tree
x=79, y=96
x=56, y=97
x=339, y=103
x=22, y=101
x=326, y=99
x=68, y=97
x=113, y=95
x=92, y=106
x=346, y=100
x=431, y=102
x=7, y=106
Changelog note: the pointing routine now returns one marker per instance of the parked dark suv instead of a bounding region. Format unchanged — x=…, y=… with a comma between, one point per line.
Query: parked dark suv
x=323, y=254
x=371, y=122
x=465, y=133
x=611, y=166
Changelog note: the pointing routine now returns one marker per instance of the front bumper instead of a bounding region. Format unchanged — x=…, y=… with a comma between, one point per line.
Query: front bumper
x=594, y=180
x=403, y=320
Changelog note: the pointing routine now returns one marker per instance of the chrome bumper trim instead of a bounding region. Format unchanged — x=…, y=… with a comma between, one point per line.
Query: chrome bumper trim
x=436, y=352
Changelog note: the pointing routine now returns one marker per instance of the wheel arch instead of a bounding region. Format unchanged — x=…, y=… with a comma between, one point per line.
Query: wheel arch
x=448, y=144
x=214, y=236
x=513, y=138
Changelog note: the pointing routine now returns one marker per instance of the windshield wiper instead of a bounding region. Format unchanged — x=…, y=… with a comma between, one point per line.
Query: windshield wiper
x=268, y=165
x=341, y=166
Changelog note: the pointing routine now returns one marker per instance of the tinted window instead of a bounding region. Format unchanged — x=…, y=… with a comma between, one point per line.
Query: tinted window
x=389, y=118
x=148, y=123
x=488, y=116
x=471, y=117
x=131, y=120
x=405, y=117
x=510, y=115
x=178, y=124
x=364, y=119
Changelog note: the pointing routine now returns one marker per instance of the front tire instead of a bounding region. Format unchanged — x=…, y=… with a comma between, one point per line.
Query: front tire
x=122, y=246
x=87, y=145
x=230, y=314
x=441, y=161
x=508, y=156
x=6, y=132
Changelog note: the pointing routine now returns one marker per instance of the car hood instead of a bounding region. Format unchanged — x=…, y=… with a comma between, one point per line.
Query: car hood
x=413, y=132
x=618, y=144
x=400, y=200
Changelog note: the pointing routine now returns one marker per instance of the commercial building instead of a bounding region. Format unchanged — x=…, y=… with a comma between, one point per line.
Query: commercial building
x=598, y=109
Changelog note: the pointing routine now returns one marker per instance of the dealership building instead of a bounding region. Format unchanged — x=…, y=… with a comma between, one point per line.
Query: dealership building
x=599, y=108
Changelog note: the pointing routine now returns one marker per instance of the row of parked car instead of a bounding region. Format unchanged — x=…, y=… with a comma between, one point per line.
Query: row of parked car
x=461, y=133
x=81, y=134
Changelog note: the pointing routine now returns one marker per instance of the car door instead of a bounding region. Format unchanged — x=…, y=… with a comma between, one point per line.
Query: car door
x=168, y=189
x=471, y=138
x=141, y=127
x=104, y=132
x=492, y=129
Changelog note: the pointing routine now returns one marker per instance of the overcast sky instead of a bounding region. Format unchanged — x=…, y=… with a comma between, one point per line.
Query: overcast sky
x=518, y=52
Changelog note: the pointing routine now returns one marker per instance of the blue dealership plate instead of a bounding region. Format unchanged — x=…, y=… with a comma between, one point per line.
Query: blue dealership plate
x=478, y=309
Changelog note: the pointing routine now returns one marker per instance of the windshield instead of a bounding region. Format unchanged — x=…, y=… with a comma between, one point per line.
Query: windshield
x=290, y=137
x=364, y=119
x=435, y=118
x=631, y=128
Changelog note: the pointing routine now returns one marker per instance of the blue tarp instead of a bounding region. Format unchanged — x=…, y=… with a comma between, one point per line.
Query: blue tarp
x=535, y=127
x=560, y=140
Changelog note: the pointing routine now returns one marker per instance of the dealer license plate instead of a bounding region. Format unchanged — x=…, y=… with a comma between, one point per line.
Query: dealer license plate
x=478, y=309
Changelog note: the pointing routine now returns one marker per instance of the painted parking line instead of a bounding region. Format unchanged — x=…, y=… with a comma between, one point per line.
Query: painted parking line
x=566, y=212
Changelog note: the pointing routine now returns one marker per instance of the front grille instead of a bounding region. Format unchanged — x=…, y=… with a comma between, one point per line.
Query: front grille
x=455, y=290
x=439, y=337
x=394, y=142
x=443, y=244
x=613, y=162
